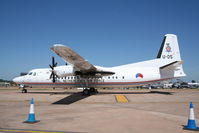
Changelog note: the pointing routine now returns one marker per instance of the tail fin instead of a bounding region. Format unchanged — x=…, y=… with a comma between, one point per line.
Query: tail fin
x=169, y=55
x=169, y=50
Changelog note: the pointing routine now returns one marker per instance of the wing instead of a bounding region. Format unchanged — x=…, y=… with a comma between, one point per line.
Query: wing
x=73, y=58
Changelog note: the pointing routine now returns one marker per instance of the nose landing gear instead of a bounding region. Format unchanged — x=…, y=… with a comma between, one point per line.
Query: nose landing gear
x=24, y=90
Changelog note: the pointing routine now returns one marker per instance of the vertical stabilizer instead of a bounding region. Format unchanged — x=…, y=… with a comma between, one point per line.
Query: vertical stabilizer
x=169, y=58
x=169, y=50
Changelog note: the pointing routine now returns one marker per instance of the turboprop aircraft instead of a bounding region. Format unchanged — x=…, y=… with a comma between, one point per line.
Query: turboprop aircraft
x=79, y=73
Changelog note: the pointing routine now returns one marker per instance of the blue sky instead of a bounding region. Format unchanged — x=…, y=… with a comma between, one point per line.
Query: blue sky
x=105, y=32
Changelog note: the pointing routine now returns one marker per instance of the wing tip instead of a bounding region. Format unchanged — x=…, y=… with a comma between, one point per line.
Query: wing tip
x=55, y=45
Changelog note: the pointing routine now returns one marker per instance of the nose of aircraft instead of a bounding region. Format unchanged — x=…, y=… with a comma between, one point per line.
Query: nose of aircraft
x=14, y=80
x=17, y=79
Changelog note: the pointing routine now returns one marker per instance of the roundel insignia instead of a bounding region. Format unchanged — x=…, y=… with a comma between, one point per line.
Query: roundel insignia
x=139, y=75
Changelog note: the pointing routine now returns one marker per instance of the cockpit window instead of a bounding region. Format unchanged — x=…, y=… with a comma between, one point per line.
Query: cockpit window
x=30, y=73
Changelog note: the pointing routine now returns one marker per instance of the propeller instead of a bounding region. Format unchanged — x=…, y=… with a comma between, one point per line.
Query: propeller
x=53, y=75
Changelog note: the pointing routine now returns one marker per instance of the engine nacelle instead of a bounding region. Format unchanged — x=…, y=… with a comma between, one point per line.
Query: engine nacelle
x=63, y=71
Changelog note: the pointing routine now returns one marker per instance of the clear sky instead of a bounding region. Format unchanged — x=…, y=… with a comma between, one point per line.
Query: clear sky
x=105, y=32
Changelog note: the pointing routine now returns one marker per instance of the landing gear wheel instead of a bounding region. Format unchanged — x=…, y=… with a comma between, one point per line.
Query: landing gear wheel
x=24, y=91
x=93, y=90
x=86, y=92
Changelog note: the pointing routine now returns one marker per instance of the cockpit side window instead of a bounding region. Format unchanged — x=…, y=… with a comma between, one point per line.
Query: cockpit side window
x=30, y=73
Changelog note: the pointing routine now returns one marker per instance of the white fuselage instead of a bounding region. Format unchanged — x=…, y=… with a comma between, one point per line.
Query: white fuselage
x=130, y=75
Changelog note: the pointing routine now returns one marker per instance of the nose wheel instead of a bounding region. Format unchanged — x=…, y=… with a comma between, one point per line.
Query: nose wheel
x=24, y=90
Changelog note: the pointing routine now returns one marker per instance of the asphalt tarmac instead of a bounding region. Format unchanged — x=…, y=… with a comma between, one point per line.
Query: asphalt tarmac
x=60, y=110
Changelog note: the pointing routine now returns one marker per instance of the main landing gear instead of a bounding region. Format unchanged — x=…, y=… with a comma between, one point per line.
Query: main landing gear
x=89, y=91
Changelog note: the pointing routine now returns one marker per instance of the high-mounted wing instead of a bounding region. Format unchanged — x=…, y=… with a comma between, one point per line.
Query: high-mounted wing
x=81, y=66
x=73, y=58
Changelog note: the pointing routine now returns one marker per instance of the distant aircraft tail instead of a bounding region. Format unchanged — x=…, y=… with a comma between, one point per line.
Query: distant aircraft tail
x=169, y=55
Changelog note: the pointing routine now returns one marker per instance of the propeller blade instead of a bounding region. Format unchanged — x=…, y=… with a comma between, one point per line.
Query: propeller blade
x=55, y=64
x=51, y=67
x=50, y=75
x=53, y=75
x=53, y=61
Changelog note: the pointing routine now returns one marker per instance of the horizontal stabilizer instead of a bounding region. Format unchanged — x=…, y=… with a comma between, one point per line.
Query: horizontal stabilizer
x=172, y=66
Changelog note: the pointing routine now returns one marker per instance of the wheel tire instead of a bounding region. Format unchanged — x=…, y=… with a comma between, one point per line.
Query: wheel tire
x=86, y=92
x=24, y=91
x=92, y=90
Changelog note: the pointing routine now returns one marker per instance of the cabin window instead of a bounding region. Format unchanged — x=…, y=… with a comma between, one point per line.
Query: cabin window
x=116, y=77
x=122, y=77
x=108, y=77
x=113, y=77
